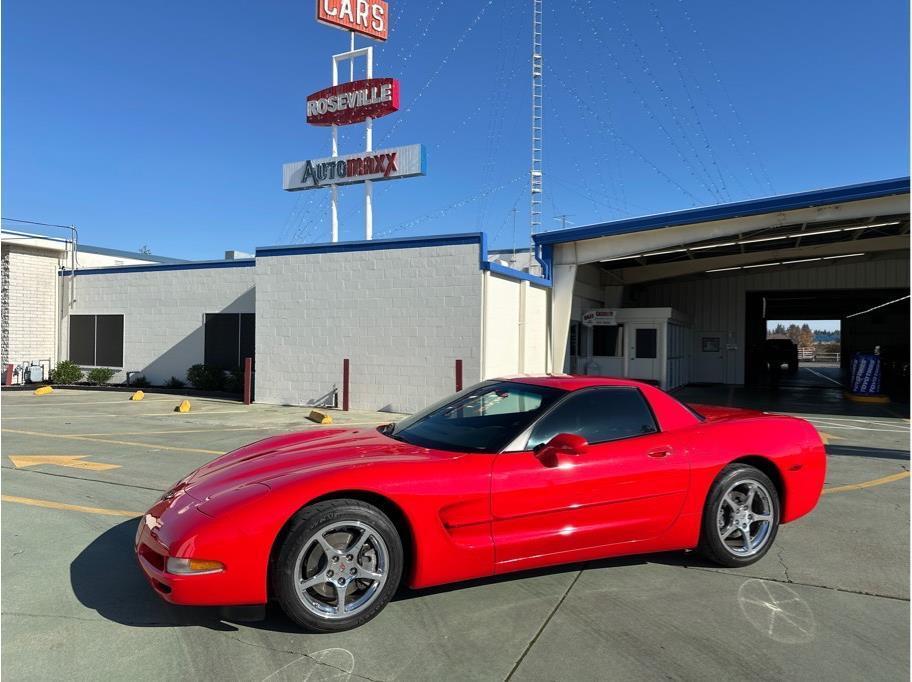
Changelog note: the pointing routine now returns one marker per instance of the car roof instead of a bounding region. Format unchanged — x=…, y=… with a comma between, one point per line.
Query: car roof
x=569, y=382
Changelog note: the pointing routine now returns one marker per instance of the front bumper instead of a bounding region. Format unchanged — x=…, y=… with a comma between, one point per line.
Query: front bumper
x=176, y=528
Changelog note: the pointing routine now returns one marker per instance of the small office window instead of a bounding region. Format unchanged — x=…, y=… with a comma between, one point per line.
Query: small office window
x=97, y=340
x=606, y=341
x=229, y=338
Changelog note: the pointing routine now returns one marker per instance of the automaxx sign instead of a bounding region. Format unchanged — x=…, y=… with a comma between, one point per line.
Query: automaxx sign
x=382, y=164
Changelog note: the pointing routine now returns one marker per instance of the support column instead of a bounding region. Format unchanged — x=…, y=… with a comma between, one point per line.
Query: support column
x=563, y=280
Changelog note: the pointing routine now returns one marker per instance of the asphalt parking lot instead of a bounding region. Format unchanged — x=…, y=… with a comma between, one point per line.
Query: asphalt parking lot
x=831, y=601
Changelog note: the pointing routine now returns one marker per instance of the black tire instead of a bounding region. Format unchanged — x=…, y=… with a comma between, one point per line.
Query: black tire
x=300, y=533
x=793, y=368
x=738, y=478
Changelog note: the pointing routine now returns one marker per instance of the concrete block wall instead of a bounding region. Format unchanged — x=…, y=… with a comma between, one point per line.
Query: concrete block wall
x=401, y=315
x=163, y=307
x=29, y=305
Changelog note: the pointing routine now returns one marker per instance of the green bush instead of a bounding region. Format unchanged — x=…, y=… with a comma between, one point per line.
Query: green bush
x=66, y=372
x=140, y=382
x=206, y=377
x=234, y=381
x=101, y=375
x=174, y=382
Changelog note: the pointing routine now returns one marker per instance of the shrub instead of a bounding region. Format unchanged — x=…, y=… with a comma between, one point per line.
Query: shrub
x=174, y=382
x=140, y=382
x=234, y=380
x=206, y=377
x=66, y=372
x=101, y=375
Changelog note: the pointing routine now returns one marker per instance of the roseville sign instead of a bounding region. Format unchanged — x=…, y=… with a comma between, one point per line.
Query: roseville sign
x=353, y=102
x=383, y=164
x=367, y=17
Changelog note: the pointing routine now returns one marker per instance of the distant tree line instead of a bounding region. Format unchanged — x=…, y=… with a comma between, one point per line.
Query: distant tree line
x=804, y=336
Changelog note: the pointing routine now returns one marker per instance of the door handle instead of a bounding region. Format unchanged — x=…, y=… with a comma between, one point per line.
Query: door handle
x=659, y=453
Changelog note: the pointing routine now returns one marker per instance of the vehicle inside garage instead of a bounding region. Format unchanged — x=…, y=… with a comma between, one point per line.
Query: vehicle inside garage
x=726, y=272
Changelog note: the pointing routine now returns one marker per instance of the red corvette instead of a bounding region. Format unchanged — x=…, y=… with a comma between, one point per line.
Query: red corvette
x=507, y=475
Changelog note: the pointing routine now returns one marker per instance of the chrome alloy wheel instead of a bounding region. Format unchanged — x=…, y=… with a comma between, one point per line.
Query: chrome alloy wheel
x=745, y=517
x=341, y=569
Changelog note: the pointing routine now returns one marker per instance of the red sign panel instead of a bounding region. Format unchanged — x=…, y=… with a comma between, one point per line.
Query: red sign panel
x=353, y=102
x=367, y=17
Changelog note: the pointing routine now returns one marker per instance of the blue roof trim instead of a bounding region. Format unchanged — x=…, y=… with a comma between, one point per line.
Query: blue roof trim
x=164, y=267
x=741, y=209
x=373, y=245
x=499, y=269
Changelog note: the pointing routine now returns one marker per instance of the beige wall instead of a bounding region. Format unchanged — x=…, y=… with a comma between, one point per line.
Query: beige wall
x=516, y=315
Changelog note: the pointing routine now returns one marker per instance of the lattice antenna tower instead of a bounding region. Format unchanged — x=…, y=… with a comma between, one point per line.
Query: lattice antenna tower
x=535, y=175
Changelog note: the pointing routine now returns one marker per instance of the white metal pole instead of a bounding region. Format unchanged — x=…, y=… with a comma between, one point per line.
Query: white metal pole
x=333, y=192
x=368, y=147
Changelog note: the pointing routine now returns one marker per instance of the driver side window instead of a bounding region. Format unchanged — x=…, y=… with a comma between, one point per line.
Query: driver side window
x=599, y=415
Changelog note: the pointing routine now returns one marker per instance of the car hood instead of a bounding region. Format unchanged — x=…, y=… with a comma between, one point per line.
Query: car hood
x=304, y=453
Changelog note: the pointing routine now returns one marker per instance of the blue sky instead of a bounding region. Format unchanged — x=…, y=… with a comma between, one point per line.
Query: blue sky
x=167, y=123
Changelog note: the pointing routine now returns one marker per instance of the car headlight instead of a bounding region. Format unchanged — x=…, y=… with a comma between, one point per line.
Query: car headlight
x=223, y=501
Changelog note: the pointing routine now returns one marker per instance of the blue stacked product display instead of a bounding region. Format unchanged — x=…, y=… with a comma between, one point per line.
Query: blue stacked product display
x=866, y=374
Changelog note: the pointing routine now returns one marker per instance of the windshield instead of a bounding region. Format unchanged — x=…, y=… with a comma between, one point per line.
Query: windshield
x=482, y=418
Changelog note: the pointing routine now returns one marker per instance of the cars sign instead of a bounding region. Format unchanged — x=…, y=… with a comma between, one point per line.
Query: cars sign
x=353, y=102
x=367, y=17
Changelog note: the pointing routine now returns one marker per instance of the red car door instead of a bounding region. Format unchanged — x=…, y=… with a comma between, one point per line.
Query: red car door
x=629, y=485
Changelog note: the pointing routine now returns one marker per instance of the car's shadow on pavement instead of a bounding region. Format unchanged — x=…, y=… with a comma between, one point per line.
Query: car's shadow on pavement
x=105, y=577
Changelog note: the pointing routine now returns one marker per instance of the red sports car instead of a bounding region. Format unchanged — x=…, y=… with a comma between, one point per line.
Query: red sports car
x=509, y=474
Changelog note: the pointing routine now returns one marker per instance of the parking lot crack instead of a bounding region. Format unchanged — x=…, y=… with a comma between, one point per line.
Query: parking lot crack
x=863, y=593
x=85, y=478
x=543, y=626
x=785, y=568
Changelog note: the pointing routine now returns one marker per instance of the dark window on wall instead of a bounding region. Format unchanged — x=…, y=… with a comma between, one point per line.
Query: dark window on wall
x=646, y=343
x=606, y=341
x=97, y=340
x=229, y=338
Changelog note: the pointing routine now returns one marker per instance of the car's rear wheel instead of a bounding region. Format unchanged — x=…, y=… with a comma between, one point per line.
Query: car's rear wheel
x=740, y=517
x=338, y=566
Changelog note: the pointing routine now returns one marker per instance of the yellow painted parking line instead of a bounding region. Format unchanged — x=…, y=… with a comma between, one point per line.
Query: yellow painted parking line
x=47, y=504
x=282, y=428
x=58, y=402
x=129, y=443
x=172, y=415
x=867, y=484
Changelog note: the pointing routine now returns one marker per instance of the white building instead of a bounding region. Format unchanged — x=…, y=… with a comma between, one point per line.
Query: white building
x=30, y=317
x=688, y=295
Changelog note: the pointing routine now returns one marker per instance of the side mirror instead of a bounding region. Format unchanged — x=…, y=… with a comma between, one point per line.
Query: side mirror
x=556, y=451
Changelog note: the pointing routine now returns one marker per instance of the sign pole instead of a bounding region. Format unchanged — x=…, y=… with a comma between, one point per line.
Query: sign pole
x=369, y=147
x=334, y=193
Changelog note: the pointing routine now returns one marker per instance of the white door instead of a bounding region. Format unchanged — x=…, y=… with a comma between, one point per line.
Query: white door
x=709, y=358
x=643, y=352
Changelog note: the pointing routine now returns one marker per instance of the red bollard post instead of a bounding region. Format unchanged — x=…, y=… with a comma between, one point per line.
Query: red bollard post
x=345, y=377
x=248, y=380
x=458, y=375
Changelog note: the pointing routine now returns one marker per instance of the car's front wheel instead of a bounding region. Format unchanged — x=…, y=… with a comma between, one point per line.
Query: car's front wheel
x=740, y=517
x=338, y=566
